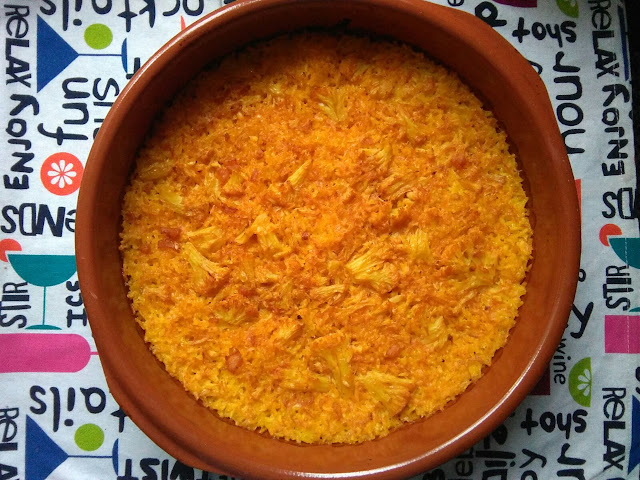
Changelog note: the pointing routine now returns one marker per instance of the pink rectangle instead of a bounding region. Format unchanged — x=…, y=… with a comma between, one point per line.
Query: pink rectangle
x=622, y=333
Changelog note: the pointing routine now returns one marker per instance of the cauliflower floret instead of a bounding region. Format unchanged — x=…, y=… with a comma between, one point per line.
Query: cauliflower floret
x=371, y=270
x=328, y=292
x=334, y=354
x=419, y=247
x=208, y=238
x=172, y=198
x=334, y=105
x=262, y=228
x=296, y=177
x=380, y=156
x=202, y=264
x=234, y=186
x=391, y=391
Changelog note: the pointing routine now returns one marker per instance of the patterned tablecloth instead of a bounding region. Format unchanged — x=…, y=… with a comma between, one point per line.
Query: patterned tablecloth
x=65, y=61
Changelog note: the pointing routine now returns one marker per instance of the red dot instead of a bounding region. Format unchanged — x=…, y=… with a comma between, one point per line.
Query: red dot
x=8, y=245
x=609, y=229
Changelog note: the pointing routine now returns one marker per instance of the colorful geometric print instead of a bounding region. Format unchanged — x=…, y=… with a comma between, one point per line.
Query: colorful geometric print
x=65, y=64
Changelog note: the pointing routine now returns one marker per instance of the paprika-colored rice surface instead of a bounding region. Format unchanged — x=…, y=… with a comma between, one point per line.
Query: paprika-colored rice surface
x=325, y=237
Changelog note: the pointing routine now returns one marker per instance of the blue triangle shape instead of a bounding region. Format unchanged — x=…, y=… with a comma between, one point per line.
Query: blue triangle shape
x=114, y=456
x=43, y=455
x=634, y=449
x=123, y=54
x=53, y=54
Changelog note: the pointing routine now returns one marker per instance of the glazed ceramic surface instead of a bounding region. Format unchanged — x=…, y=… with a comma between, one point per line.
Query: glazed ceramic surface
x=176, y=421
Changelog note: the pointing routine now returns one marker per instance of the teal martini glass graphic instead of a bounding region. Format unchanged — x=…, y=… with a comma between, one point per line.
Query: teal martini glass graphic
x=43, y=455
x=627, y=249
x=54, y=54
x=43, y=271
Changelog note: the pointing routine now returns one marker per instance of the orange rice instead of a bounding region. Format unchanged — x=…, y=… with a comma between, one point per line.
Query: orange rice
x=326, y=237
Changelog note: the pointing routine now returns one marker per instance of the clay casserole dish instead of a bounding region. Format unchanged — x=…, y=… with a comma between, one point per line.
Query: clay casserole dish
x=161, y=407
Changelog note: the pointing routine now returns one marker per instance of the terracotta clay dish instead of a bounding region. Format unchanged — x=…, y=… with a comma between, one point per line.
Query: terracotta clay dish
x=182, y=425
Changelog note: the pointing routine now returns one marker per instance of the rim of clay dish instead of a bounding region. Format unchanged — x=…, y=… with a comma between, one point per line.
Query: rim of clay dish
x=168, y=429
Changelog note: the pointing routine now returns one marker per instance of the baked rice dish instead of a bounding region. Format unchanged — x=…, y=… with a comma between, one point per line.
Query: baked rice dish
x=325, y=237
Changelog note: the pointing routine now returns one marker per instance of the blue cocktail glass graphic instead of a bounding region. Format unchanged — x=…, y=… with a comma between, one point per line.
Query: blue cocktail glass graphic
x=43, y=455
x=43, y=271
x=54, y=54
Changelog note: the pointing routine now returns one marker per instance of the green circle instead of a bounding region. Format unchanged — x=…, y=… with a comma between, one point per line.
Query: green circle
x=98, y=36
x=89, y=437
x=580, y=380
